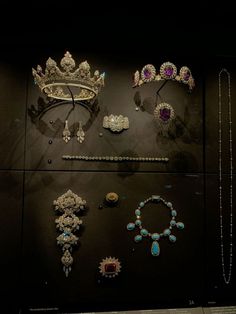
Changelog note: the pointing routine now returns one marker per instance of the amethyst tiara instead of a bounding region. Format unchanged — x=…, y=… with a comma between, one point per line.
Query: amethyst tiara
x=168, y=71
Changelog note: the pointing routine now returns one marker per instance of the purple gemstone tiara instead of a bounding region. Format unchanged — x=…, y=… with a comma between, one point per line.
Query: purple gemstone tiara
x=168, y=71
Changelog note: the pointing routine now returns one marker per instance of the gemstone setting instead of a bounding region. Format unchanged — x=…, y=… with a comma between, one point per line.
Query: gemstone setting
x=144, y=232
x=148, y=73
x=138, y=222
x=130, y=226
x=164, y=113
x=138, y=238
x=180, y=225
x=110, y=267
x=155, y=236
x=155, y=249
x=185, y=74
x=168, y=71
x=172, y=238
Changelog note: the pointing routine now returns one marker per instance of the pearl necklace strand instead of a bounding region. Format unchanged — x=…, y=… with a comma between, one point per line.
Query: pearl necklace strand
x=227, y=277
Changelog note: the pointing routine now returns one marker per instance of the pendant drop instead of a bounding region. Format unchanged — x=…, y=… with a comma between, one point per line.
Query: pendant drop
x=80, y=134
x=66, y=135
x=155, y=249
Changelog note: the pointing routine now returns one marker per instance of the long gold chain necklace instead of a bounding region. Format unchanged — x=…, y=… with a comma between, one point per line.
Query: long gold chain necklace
x=227, y=277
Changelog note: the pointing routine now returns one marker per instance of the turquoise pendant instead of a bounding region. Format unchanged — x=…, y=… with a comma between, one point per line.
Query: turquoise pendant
x=155, y=250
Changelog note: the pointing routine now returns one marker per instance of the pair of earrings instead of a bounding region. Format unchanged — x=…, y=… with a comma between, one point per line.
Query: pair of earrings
x=66, y=134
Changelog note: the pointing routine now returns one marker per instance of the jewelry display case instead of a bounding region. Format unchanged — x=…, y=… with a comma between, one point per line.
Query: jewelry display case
x=152, y=162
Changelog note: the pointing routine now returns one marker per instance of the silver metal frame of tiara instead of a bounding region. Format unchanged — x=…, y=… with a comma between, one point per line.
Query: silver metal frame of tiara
x=116, y=123
x=68, y=204
x=56, y=82
x=164, y=115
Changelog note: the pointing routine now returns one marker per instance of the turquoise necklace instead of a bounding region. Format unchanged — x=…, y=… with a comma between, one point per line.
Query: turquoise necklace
x=155, y=237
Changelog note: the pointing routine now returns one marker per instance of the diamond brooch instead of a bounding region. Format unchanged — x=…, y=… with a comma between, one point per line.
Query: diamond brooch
x=116, y=123
x=68, y=223
x=110, y=267
x=164, y=115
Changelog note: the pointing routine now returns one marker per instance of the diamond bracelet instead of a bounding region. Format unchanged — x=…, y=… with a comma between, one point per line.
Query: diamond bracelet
x=115, y=158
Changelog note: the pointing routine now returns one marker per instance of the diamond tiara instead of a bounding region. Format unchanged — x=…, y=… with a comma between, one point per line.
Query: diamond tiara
x=61, y=83
x=168, y=71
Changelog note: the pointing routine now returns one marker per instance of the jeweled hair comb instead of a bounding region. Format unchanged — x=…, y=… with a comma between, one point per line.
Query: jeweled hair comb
x=168, y=71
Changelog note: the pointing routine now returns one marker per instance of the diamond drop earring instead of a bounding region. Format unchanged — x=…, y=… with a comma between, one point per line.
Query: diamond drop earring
x=80, y=134
x=66, y=135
